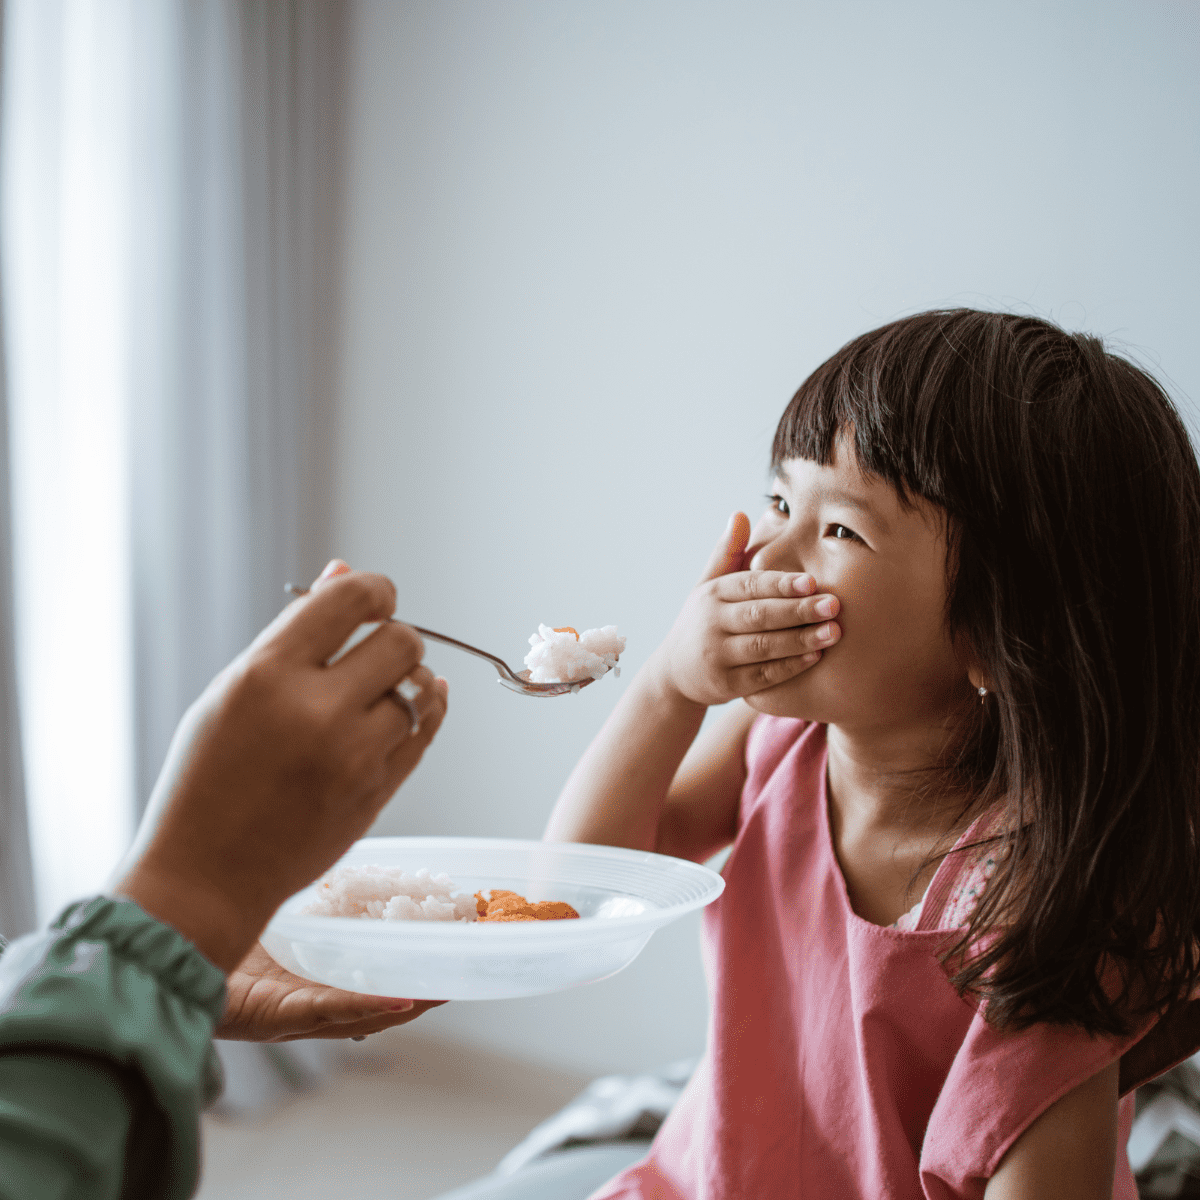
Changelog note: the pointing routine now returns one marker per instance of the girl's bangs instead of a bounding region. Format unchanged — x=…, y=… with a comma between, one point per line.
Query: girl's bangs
x=869, y=392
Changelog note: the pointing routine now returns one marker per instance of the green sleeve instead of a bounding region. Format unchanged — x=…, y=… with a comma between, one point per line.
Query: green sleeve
x=106, y=1057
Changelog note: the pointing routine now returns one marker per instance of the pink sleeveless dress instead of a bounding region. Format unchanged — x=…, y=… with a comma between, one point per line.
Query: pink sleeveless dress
x=841, y=1061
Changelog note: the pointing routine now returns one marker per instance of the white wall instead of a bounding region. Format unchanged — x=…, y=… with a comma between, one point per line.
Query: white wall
x=592, y=248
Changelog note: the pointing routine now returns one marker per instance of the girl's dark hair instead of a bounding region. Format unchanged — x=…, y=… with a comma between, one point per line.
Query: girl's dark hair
x=1073, y=499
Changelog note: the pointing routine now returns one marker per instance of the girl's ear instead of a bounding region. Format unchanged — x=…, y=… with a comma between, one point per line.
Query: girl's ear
x=979, y=678
x=966, y=655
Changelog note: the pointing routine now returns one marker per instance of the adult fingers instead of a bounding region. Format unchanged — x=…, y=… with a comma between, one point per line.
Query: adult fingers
x=335, y=566
x=417, y=695
x=322, y=621
x=753, y=616
x=366, y=1025
x=730, y=550
x=380, y=661
x=326, y=1005
x=389, y=723
x=389, y=747
x=402, y=714
x=757, y=677
x=407, y=752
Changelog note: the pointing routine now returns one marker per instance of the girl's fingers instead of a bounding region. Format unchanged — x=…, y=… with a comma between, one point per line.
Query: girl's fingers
x=757, y=677
x=380, y=661
x=730, y=551
x=753, y=648
x=764, y=585
x=319, y=624
x=754, y=616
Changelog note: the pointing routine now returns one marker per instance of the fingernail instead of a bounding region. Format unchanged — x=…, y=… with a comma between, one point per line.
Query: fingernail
x=729, y=524
x=807, y=660
x=826, y=633
x=334, y=566
x=401, y=1005
x=443, y=683
x=827, y=607
x=804, y=584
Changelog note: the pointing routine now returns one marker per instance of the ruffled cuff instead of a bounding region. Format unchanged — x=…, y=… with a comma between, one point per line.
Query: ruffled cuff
x=108, y=979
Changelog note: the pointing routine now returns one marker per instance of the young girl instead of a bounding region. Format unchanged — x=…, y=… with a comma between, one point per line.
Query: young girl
x=962, y=780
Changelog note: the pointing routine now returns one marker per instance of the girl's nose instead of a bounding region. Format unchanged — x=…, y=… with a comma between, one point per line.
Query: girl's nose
x=768, y=554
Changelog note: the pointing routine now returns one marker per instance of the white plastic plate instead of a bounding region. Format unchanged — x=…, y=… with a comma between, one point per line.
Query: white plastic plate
x=622, y=897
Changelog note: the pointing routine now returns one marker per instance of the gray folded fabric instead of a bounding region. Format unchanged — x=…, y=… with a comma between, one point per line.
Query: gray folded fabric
x=612, y=1108
x=1164, y=1144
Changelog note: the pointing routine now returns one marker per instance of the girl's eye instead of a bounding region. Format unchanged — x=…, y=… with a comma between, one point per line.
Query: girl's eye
x=779, y=504
x=844, y=533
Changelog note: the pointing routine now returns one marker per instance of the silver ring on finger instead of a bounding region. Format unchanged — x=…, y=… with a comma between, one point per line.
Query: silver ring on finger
x=405, y=694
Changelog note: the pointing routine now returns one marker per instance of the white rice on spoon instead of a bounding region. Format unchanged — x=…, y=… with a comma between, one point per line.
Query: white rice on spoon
x=564, y=656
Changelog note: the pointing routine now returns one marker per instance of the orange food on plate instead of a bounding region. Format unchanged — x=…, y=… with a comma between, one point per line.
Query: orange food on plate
x=509, y=906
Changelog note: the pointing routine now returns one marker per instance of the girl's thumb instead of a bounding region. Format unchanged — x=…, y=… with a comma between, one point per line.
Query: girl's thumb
x=730, y=551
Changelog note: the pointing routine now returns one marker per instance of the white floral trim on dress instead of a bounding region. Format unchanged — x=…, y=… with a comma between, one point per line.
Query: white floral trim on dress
x=963, y=901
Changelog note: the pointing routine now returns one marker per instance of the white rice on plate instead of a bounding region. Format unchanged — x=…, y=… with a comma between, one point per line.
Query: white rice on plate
x=390, y=894
x=564, y=656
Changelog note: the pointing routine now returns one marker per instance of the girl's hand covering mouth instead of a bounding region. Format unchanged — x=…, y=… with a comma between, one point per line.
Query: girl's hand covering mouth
x=741, y=631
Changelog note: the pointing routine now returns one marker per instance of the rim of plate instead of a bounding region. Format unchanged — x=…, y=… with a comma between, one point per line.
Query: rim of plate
x=657, y=915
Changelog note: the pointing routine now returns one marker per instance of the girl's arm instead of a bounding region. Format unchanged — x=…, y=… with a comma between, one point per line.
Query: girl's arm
x=630, y=789
x=739, y=632
x=1069, y=1152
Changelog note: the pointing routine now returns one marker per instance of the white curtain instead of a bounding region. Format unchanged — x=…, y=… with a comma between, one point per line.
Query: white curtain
x=231, y=402
x=66, y=184
x=17, y=911
x=170, y=239
x=17, y=914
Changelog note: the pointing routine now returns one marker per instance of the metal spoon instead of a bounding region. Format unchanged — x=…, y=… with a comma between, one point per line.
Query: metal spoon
x=515, y=681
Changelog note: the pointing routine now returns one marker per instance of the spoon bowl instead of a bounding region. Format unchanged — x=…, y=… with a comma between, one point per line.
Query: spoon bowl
x=515, y=681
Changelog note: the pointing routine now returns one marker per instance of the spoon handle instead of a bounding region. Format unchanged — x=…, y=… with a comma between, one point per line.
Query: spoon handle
x=498, y=663
x=508, y=677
